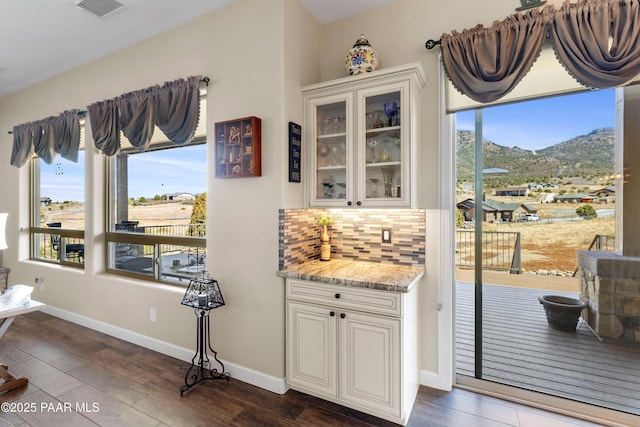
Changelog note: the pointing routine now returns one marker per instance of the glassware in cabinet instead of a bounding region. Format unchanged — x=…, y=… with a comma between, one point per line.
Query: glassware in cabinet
x=380, y=137
x=383, y=171
x=331, y=152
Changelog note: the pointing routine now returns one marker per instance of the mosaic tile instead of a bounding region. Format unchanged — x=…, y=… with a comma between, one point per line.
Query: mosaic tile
x=355, y=235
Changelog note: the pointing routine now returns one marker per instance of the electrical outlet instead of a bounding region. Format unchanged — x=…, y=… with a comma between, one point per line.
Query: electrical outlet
x=40, y=283
x=152, y=314
x=386, y=235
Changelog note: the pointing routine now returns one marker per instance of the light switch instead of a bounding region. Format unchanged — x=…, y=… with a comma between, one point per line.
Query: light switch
x=386, y=235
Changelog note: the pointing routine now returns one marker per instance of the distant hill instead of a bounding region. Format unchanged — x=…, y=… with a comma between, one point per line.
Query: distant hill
x=584, y=155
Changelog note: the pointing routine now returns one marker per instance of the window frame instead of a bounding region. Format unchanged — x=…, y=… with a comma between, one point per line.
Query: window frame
x=36, y=232
x=131, y=237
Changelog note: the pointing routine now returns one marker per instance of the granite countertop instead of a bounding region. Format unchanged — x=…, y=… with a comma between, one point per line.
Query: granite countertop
x=360, y=274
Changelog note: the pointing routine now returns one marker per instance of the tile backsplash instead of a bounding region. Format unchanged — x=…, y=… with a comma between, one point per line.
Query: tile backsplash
x=355, y=234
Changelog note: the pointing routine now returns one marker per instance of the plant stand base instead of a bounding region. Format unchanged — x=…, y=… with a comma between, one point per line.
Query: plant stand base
x=201, y=369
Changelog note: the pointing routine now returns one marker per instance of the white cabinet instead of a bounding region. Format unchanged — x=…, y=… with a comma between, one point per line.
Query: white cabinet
x=311, y=350
x=369, y=362
x=353, y=346
x=361, y=133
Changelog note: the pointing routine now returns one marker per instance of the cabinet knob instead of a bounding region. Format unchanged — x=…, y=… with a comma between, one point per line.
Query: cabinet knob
x=333, y=313
x=358, y=203
x=349, y=203
x=337, y=296
x=342, y=315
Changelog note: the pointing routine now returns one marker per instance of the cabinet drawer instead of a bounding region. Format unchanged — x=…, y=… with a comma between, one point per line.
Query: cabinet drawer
x=367, y=300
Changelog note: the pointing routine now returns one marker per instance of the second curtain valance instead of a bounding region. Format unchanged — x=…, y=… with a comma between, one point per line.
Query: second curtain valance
x=174, y=107
x=597, y=41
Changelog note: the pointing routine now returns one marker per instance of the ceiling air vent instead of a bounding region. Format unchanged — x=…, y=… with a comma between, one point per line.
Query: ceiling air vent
x=99, y=8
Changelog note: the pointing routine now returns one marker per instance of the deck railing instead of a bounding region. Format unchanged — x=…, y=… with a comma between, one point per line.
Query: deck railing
x=189, y=230
x=175, y=230
x=500, y=250
x=601, y=242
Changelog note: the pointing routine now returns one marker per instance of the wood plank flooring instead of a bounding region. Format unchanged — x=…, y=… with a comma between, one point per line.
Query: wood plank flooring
x=521, y=350
x=121, y=384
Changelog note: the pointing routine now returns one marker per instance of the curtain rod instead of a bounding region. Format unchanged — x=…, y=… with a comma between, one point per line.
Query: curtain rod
x=430, y=44
x=204, y=80
x=80, y=114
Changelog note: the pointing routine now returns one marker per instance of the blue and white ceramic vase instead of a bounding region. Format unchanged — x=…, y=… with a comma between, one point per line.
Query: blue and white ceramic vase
x=362, y=58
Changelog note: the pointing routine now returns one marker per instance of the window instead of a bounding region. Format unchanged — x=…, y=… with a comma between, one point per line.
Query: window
x=157, y=220
x=57, y=221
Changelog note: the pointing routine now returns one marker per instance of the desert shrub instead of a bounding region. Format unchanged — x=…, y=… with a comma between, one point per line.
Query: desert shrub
x=198, y=216
x=586, y=211
x=459, y=218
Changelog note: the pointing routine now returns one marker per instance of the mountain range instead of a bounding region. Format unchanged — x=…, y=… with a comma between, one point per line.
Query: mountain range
x=585, y=155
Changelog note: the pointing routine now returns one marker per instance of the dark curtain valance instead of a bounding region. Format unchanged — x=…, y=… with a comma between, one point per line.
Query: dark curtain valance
x=174, y=107
x=597, y=41
x=47, y=137
x=487, y=63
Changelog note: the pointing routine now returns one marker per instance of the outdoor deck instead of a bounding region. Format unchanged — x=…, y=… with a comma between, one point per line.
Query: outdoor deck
x=521, y=350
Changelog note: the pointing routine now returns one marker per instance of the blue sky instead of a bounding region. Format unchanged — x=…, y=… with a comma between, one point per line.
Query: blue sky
x=168, y=171
x=539, y=124
x=151, y=173
x=62, y=180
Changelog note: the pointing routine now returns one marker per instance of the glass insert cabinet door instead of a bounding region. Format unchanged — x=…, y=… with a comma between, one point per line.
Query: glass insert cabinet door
x=361, y=133
x=333, y=157
x=381, y=148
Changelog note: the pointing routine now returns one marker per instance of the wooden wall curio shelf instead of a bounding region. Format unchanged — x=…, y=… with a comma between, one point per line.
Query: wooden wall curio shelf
x=238, y=148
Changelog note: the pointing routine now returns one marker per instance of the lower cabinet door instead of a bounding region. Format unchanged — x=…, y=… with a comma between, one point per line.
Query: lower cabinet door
x=311, y=348
x=369, y=361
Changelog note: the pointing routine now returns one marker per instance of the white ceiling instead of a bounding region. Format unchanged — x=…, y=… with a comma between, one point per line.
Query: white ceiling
x=42, y=38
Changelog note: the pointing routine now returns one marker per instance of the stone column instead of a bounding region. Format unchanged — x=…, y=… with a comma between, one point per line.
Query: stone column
x=610, y=286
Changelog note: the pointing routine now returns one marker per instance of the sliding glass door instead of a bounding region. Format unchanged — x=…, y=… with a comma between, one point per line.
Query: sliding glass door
x=535, y=184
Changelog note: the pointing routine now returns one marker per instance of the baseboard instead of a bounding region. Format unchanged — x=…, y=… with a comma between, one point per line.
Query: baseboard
x=241, y=373
x=430, y=379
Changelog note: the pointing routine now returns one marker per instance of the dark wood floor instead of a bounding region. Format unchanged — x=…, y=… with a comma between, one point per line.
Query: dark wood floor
x=521, y=350
x=121, y=384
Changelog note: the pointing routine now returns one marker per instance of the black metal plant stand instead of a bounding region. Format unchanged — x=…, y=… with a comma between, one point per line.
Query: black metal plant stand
x=203, y=295
x=202, y=368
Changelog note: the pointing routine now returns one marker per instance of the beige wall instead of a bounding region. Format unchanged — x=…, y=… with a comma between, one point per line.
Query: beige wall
x=242, y=49
x=258, y=54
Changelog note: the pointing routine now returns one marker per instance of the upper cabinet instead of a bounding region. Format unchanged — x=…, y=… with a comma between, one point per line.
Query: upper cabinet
x=361, y=133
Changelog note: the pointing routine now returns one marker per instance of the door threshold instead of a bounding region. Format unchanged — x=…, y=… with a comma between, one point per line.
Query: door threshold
x=559, y=405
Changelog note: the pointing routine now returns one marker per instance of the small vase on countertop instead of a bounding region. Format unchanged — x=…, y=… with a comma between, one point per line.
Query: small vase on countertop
x=325, y=244
x=325, y=238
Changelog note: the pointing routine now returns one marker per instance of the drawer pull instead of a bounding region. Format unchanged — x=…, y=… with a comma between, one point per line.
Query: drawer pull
x=342, y=315
x=333, y=313
x=337, y=296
